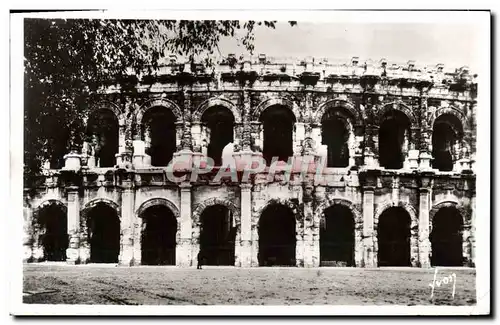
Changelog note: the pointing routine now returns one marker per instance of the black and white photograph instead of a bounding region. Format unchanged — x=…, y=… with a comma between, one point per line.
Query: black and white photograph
x=250, y=162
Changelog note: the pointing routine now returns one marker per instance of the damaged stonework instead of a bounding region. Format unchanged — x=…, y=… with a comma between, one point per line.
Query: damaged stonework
x=392, y=185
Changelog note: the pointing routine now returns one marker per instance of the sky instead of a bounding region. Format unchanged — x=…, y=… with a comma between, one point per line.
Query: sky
x=454, y=45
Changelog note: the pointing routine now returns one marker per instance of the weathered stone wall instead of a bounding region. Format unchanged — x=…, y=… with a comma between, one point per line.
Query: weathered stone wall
x=358, y=94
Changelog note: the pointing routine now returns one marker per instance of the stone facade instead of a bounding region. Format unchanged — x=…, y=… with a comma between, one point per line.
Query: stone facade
x=360, y=95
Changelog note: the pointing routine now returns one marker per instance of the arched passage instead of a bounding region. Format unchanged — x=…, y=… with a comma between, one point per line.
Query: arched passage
x=159, y=135
x=52, y=219
x=446, y=238
x=103, y=226
x=217, y=235
x=337, y=237
x=394, y=137
x=393, y=237
x=277, y=239
x=278, y=122
x=335, y=135
x=218, y=124
x=158, y=237
x=102, y=135
x=447, y=134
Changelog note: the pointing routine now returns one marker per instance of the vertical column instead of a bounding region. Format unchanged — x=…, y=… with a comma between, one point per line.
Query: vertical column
x=255, y=197
x=127, y=223
x=424, y=243
x=196, y=134
x=245, y=250
x=412, y=158
x=466, y=247
x=298, y=137
x=371, y=147
x=299, y=233
x=186, y=249
x=473, y=231
x=72, y=252
x=310, y=257
x=178, y=134
x=425, y=149
x=368, y=240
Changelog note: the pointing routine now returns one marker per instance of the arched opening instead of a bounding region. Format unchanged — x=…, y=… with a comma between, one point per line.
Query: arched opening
x=53, y=221
x=218, y=122
x=336, y=237
x=102, y=134
x=158, y=238
x=104, y=234
x=446, y=238
x=394, y=237
x=446, y=134
x=218, y=234
x=278, y=122
x=277, y=236
x=394, y=137
x=335, y=135
x=159, y=135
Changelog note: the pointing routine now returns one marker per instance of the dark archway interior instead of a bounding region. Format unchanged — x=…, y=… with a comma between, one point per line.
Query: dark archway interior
x=103, y=134
x=55, y=236
x=337, y=237
x=218, y=235
x=446, y=238
x=391, y=137
x=158, y=236
x=104, y=234
x=446, y=131
x=334, y=134
x=220, y=122
x=278, y=122
x=159, y=122
x=394, y=238
x=277, y=236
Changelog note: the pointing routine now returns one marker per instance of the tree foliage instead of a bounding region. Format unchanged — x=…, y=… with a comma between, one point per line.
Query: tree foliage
x=67, y=60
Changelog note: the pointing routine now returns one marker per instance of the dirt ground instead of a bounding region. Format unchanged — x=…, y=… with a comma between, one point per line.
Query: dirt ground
x=93, y=284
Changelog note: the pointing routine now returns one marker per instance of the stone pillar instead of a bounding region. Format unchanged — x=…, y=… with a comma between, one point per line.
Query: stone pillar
x=127, y=225
x=27, y=234
x=466, y=244
x=136, y=240
x=245, y=251
x=311, y=256
x=72, y=252
x=196, y=136
x=299, y=232
x=298, y=137
x=256, y=197
x=72, y=161
x=179, y=126
x=424, y=244
x=368, y=224
x=316, y=135
x=187, y=249
x=319, y=196
x=371, y=147
x=473, y=231
x=425, y=150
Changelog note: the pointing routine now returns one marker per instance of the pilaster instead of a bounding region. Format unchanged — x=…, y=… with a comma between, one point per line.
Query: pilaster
x=424, y=243
x=72, y=252
x=244, y=252
x=127, y=223
x=368, y=225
